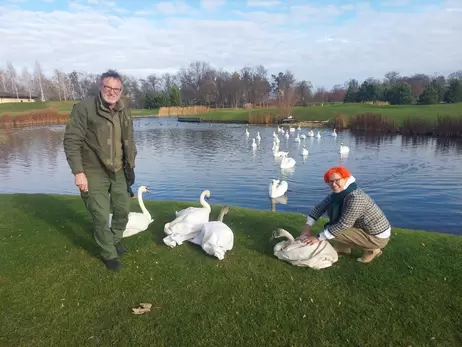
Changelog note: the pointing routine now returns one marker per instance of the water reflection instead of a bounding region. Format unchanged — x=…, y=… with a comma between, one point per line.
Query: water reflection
x=279, y=200
x=411, y=178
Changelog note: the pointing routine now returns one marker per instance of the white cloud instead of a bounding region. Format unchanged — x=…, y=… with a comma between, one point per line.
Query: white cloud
x=262, y=3
x=212, y=4
x=395, y=2
x=369, y=44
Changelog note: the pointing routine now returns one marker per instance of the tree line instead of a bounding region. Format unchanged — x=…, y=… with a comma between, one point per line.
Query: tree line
x=201, y=84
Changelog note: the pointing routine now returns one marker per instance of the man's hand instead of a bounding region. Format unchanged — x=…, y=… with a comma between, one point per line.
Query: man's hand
x=81, y=182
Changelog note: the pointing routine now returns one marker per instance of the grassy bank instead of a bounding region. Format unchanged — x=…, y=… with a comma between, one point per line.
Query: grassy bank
x=54, y=292
x=60, y=106
x=399, y=113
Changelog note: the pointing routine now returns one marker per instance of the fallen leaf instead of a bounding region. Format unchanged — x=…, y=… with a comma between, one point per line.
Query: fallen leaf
x=144, y=307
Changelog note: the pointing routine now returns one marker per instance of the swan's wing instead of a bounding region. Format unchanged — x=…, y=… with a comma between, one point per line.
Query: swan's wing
x=198, y=215
x=185, y=211
x=217, y=238
x=138, y=221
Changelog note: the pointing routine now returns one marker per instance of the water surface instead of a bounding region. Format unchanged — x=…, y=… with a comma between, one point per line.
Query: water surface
x=416, y=181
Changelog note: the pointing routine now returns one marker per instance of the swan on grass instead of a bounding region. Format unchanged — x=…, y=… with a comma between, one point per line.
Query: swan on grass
x=215, y=237
x=188, y=222
x=344, y=149
x=137, y=221
x=287, y=162
x=317, y=256
x=277, y=188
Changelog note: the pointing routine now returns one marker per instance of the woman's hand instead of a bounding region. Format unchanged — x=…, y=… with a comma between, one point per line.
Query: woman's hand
x=305, y=233
x=311, y=240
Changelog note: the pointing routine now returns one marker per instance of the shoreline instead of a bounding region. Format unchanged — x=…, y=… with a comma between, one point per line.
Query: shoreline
x=195, y=202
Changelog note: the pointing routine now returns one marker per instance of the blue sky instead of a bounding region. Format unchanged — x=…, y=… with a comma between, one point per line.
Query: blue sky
x=326, y=42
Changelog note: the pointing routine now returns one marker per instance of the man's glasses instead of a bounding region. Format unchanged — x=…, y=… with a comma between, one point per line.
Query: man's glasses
x=110, y=89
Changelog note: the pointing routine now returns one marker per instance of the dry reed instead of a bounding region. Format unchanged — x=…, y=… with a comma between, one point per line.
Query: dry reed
x=48, y=116
x=372, y=122
x=265, y=118
x=340, y=121
x=182, y=111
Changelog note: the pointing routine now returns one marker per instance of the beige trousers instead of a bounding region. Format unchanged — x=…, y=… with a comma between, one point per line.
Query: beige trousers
x=358, y=237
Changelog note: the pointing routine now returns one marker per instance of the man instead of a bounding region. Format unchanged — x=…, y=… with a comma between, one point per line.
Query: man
x=100, y=150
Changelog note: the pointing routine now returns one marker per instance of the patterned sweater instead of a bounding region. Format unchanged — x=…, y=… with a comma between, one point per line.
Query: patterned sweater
x=358, y=210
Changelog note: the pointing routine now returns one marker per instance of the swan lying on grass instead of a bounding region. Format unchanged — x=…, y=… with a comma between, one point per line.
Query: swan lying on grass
x=215, y=237
x=137, y=221
x=317, y=256
x=188, y=222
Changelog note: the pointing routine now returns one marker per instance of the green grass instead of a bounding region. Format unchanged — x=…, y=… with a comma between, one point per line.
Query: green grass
x=316, y=113
x=62, y=106
x=54, y=291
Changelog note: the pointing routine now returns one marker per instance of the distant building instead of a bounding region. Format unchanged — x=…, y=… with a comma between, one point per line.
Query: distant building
x=12, y=97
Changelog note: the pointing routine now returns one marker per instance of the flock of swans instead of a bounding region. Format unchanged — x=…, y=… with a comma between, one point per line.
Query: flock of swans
x=277, y=188
x=193, y=224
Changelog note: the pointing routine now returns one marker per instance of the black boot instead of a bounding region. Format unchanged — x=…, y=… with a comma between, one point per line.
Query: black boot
x=113, y=264
x=120, y=250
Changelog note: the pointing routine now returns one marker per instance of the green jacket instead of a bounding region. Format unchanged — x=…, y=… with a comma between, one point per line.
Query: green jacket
x=89, y=141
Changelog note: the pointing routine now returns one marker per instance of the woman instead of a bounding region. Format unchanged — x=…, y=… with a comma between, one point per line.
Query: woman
x=354, y=218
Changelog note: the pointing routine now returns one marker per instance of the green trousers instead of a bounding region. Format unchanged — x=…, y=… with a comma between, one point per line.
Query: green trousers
x=107, y=193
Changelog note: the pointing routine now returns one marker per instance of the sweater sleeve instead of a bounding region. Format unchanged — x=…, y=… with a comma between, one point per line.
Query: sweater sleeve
x=318, y=211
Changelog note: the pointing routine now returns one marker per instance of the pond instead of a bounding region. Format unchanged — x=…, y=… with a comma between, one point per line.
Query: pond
x=416, y=181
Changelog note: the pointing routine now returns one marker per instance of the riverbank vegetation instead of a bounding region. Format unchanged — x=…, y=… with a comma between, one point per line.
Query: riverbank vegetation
x=52, y=280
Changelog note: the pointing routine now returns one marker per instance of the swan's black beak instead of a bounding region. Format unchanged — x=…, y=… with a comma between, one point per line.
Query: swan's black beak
x=148, y=191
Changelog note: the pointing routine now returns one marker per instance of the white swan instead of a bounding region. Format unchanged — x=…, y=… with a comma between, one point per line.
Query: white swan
x=303, y=136
x=287, y=135
x=287, y=162
x=277, y=188
x=205, y=206
x=310, y=133
x=254, y=144
x=247, y=132
x=334, y=133
x=297, y=139
x=344, y=149
x=304, y=150
x=258, y=136
x=215, y=237
x=317, y=256
x=299, y=128
x=137, y=222
x=318, y=135
x=188, y=223
x=291, y=129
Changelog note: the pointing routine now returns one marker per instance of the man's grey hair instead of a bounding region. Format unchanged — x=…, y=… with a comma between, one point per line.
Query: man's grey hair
x=110, y=74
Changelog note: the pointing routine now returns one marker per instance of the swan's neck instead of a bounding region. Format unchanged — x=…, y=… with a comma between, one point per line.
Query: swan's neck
x=221, y=215
x=287, y=235
x=141, y=203
x=204, y=203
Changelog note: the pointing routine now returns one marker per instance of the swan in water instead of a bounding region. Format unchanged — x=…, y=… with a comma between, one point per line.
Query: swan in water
x=287, y=162
x=303, y=136
x=311, y=133
x=297, y=139
x=137, y=222
x=247, y=132
x=318, y=135
x=317, y=256
x=299, y=128
x=215, y=237
x=258, y=136
x=344, y=149
x=304, y=150
x=254, y=144
x=291, y=129
x=334, y=133
x=277, y=188
x=287, y=135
